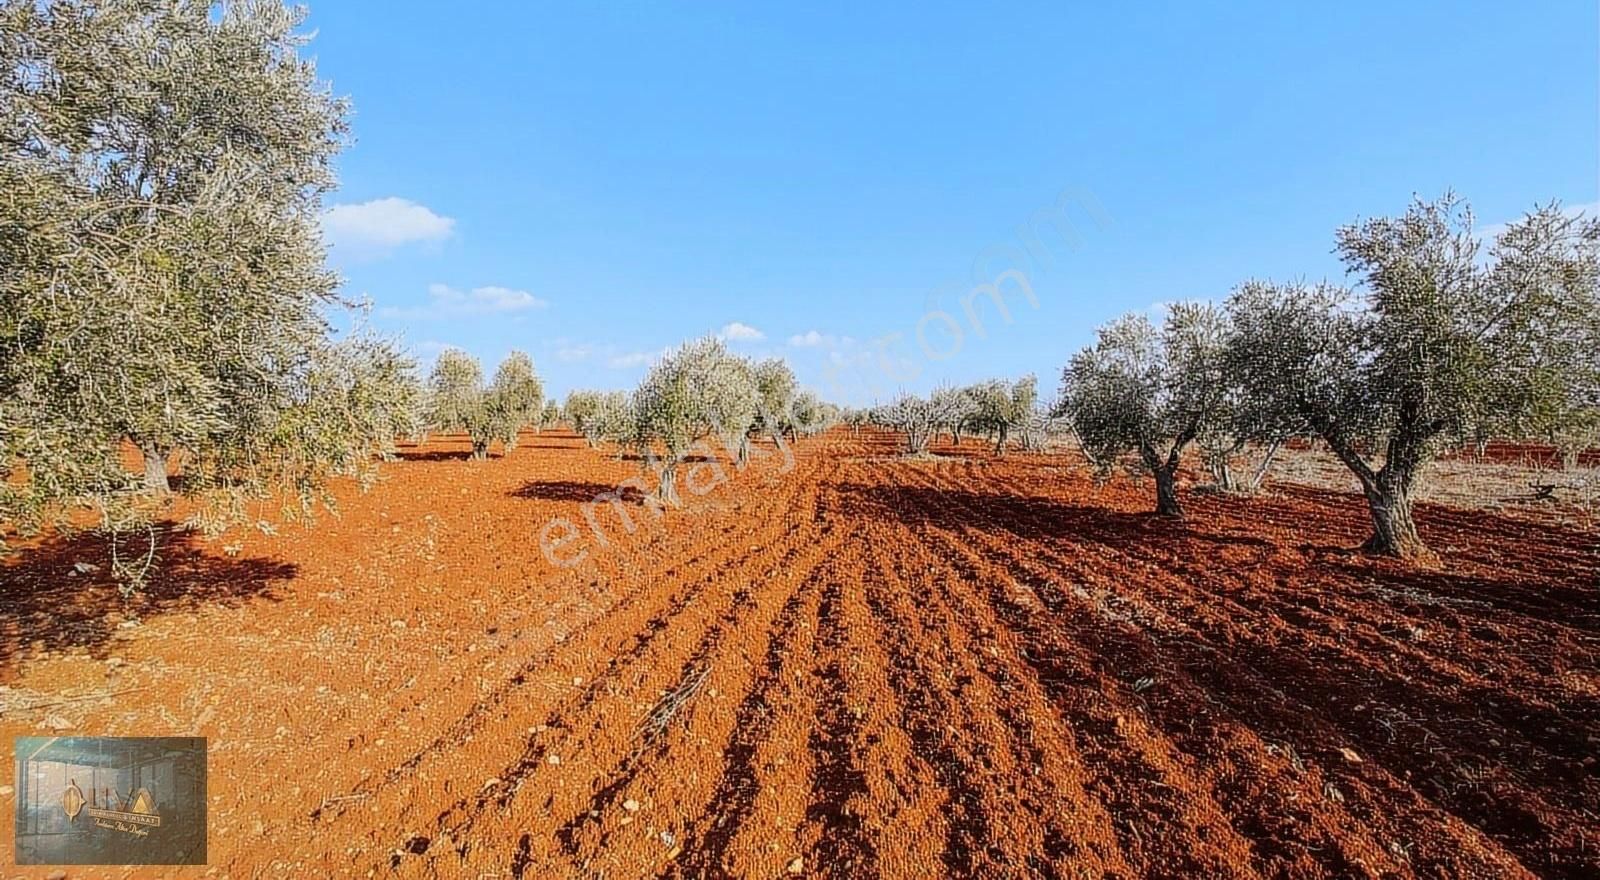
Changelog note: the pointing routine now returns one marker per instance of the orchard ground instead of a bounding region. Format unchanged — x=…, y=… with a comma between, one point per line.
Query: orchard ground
x=862, y=666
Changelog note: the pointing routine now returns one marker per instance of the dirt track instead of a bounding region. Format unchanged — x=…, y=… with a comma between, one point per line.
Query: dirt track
x=957, y=667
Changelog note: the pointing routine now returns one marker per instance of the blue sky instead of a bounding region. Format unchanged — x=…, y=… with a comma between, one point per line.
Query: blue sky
x=593, y=183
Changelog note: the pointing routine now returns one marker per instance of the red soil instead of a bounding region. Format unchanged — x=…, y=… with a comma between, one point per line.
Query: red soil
x=958, y=667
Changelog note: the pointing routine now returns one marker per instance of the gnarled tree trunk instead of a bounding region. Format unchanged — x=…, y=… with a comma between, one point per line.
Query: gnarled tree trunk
x=1000, y=441
x=1394, y=531
x=1388, y=492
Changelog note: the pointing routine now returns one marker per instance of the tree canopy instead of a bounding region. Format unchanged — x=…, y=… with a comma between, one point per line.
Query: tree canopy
x=1438, y=344
x=161, y=267
x=1149, y=391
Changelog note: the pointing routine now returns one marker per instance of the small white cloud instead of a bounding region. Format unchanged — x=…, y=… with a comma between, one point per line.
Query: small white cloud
x=488, y=299
x=382, y=225
x=571, y=352
x=739, y=332
x=445, y=301
x=810, y=339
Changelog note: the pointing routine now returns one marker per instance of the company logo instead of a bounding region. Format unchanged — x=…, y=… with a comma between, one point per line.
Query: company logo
x=92, y=800
x=134, y=814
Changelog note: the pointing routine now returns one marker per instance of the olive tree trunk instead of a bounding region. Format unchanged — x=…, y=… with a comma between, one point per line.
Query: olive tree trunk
x=1222, y=472
x=1167, y=492
x=1394, y=531
x=667, y=490
x=1000, y=440
x=1388, y=493
x=155, y=468
x=1165, y=471
x=1266, y=464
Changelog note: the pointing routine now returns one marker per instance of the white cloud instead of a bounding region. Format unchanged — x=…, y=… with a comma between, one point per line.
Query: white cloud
x=810, y=339
x=381, y=225
x=445, y=301
x=574, y=352
x=740, y=332
x=492, y=298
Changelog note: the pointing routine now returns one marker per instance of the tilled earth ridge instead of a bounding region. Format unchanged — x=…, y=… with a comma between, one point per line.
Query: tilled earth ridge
x=860, y=667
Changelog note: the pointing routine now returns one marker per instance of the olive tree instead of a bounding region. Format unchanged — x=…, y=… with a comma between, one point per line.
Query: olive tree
x=1148, y=391
x=346, y=405
x=685, y=398
x=579, y=411
x=1438, y=344
x=550, y=416
x=600, y=415
x=857, y=419
x=1243, y=422
x=161, y=266
x=613, y=419
x=914, y=417
x=812, y=415
x=776, y=387
x=517, y=397
x=732, y=400
x=955, y=408
x=1577, y=431
x=999, y=407
x=458, y=401
x=175, y=156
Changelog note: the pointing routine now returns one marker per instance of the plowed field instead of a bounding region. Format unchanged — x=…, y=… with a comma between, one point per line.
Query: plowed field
x=863, y=666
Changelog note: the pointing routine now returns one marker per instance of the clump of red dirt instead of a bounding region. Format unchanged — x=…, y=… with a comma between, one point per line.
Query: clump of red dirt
x=856, y=666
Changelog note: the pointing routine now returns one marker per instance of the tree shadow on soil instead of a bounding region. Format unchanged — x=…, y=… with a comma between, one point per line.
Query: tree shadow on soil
x=1029, y=518
x=1538, y=570
x=687, y=459
x=576, y=491
x=440, y=454
x=47, y=602
x=1491, y=757
x=1447, y=682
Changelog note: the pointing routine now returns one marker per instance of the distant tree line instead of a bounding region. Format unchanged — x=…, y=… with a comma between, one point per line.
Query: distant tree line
x=697, y=394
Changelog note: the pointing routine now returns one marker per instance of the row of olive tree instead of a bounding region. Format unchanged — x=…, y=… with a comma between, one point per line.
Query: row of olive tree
x=694, y=394
x=162, y=275
x=1442, y=342
x=458, y=400
x=994, y=408
x=599, y=415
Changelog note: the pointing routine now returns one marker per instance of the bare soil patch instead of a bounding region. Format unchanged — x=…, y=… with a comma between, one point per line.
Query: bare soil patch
x=863, y=667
